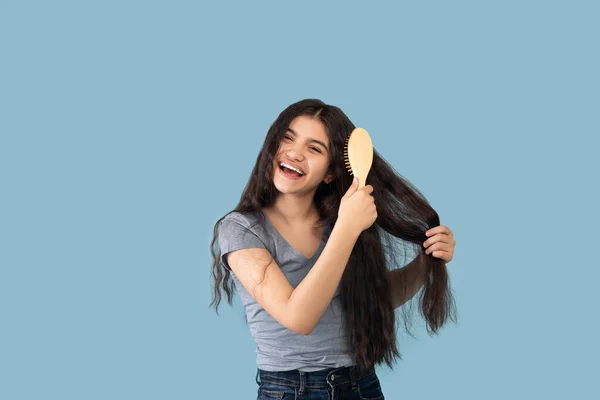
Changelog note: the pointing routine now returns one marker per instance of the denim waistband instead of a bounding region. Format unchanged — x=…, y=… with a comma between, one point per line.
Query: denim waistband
x=317, y=379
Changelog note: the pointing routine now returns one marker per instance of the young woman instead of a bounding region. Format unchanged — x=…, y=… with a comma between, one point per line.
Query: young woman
x=313, y=260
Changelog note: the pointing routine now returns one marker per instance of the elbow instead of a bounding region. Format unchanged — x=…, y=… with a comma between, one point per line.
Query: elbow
x=301, y=327
x=298, y=320
x=305, y=331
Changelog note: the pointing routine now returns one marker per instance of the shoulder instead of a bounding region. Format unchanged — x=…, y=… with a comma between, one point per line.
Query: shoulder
x=247, y=222
x=247, y=219
x=241, y=230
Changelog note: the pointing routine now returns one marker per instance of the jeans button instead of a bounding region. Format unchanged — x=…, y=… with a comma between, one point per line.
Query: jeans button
x=333, y=377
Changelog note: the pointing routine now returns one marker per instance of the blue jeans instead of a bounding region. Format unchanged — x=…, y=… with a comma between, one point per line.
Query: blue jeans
x=327, y=384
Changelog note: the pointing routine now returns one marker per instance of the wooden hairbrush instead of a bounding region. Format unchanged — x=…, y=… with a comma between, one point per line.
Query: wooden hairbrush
x=358, y=154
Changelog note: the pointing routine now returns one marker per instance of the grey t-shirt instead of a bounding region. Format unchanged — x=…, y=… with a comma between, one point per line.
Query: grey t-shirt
x=278, y=348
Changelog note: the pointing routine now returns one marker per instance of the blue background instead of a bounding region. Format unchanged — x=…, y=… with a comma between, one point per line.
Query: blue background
x=129, y=127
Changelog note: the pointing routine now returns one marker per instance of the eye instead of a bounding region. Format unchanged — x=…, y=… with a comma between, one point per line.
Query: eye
x=316, y=149
x=287, y=137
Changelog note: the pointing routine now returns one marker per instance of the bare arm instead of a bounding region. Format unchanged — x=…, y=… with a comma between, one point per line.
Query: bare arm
x=298, y=309
x=406, y=281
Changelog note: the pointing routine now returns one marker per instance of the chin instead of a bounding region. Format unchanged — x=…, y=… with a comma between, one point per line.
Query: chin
x=290, y=187
x=286, y=188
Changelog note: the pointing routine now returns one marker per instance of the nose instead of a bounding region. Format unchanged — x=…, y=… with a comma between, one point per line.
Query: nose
x=294, y=152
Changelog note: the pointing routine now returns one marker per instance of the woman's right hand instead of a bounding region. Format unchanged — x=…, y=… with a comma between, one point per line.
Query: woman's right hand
x=357, y=208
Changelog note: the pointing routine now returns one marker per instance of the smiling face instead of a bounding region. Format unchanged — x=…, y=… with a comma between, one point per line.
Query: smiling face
x=302, y=159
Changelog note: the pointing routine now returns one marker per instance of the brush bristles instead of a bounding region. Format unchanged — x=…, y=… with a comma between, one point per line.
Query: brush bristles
x=346, y=158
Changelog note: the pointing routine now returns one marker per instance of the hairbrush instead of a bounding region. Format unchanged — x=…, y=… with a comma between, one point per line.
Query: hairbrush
x=358, y=154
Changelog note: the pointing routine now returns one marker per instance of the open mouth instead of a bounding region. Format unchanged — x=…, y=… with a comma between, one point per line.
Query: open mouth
x=289, y=171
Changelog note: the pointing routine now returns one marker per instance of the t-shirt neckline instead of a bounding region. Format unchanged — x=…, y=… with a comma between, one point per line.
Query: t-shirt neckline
x=317, y=252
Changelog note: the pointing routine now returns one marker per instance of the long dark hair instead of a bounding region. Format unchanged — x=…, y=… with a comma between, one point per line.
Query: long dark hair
x=403, y=217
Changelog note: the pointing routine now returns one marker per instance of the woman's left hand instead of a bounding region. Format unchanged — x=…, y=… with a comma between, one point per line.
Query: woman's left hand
x=440, y=243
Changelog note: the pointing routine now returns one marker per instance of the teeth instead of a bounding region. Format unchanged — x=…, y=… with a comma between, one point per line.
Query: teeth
x=292, y=168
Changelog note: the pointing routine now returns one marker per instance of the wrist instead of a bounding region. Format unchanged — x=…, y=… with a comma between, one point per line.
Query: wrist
x=348, y=227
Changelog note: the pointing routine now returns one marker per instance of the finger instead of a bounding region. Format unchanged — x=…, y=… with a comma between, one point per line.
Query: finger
x=438, y=229
x=438, y=246
x=368, y=189
x=353, y=188
x=439, y=251
x=443, y=255
x=438, y=238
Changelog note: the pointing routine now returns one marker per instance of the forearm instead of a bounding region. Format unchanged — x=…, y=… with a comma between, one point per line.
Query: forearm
x=405, y=282
x=310, y=298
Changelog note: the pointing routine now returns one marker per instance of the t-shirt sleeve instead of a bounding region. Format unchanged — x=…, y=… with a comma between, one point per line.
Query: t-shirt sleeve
x=235, y=235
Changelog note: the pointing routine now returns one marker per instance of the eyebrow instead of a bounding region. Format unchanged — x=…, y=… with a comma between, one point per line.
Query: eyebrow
x=311, y=140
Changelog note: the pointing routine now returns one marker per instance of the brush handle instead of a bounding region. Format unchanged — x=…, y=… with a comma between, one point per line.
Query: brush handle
x=361, y=183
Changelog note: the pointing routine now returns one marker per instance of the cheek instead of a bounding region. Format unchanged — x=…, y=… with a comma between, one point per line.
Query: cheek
x=279, y=151
x=321, y=166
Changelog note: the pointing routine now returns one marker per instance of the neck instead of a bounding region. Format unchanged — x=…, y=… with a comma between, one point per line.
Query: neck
x=294, y=209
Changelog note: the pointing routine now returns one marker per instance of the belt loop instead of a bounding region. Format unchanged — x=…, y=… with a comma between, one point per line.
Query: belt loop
x=302, y=382
x=257, y=376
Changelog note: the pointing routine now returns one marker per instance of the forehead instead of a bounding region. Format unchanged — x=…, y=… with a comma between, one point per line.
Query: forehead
x=309, y=128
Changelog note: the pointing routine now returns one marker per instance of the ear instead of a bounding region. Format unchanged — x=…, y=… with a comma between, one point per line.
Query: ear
x=328, y=179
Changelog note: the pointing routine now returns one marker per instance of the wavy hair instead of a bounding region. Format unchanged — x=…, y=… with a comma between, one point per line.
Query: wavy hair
x=403, y=217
